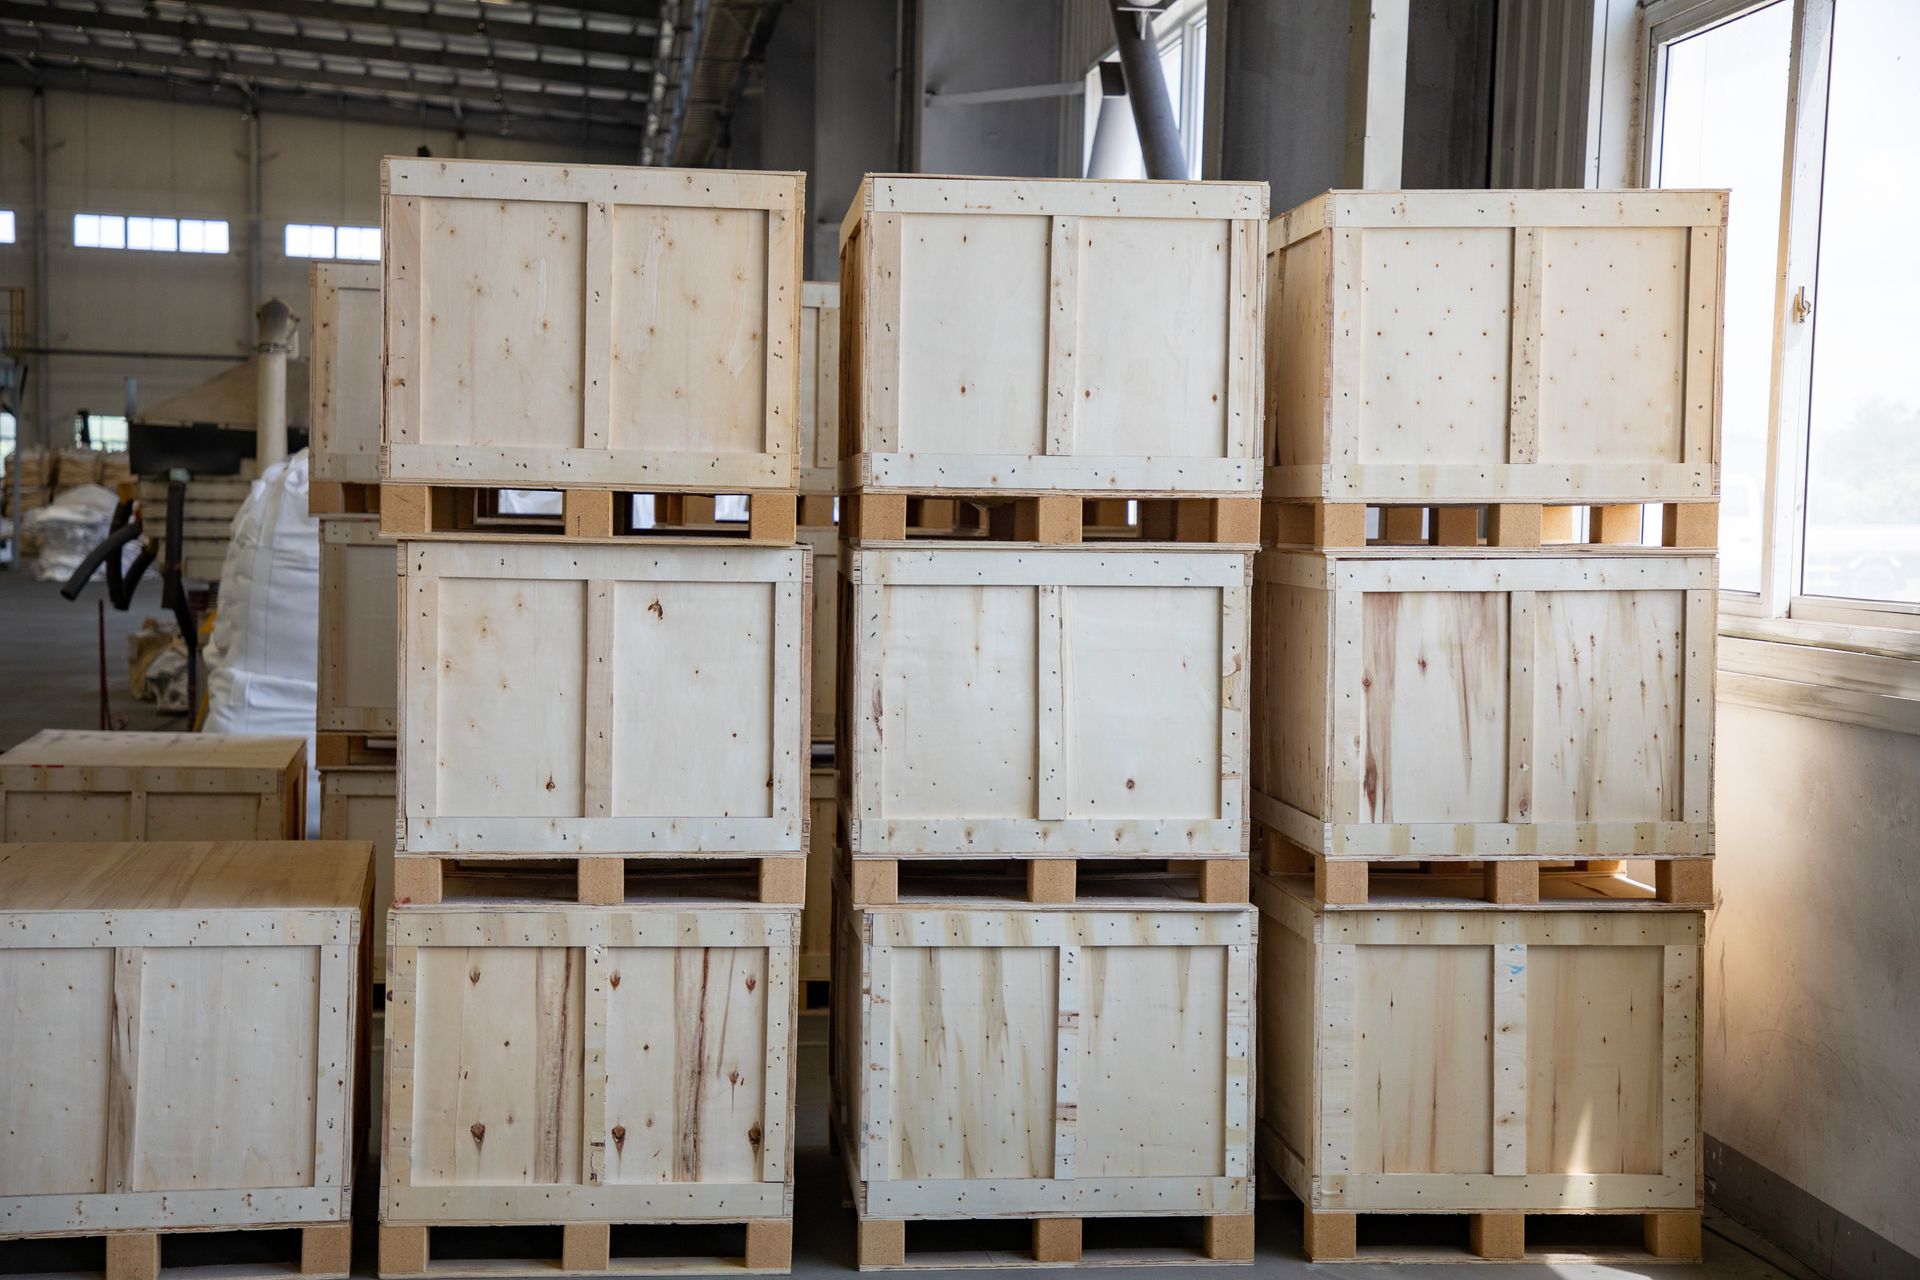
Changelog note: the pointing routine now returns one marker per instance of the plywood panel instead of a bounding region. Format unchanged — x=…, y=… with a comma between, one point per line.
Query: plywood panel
x=973, y=298
x=688, y=329
x=345, y=311
x=1423, y=1070
x=972, y=1072
x=71, y=815
x=190, y=816
x=58, y=1003
x=1594, y=1060
x=1153, y=1062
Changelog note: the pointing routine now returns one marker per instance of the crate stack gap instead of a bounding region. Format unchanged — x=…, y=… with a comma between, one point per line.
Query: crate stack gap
x=1044, y=948
x=602, y=795
x=818, y=473
x=1484, y=624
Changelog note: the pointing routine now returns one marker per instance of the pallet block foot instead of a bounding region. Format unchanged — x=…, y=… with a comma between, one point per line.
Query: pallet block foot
x=783, y=880
x=1329, y=1237
x=1456, y=526
x=881, y=1243
x=1556, y=524
x=1672, y=1235
x=601, y=882
x=586, y=1246
x=1226, y=880
x=1340, y=882
x=588, y=513
x=1315, y=524
x=1403, y=524
x=1690, y=525
x=1687, y=880
x=1521, y=524
x=770, y=1246
x=327, y=1250
x=1614, y=525
x=403, y=1251
x=416, y=881
x=135, y=1256
x=1051, y=880
x=1229, y=1237
x=876, y=883
x=874, y=517
x=772, y=517
x=816, y=510
x=1512, y=882
x=1498, y=1235
x=1056, y=1239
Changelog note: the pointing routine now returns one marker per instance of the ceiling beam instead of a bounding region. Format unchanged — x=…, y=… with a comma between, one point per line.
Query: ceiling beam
x=552, y=105
x=638, y=45
x=252, y=37
x=584, y=135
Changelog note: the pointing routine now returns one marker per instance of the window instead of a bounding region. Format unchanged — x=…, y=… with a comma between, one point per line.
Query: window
x=6, y=226
x=316, y=241
x=158, y=235
x=1182, y=35
x=1820, y=435
x=106, y=431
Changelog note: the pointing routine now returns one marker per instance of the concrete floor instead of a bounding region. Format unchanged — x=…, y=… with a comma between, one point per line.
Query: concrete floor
x=49, y=678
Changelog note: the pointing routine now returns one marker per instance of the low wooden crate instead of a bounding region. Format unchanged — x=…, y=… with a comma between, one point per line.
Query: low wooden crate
x=816, y=923
x=359, y=627
x=183, y=1040
x=1058, y=702
x=1485, y=704
x=818, y=469
x=1471, y=346
x=344, y=382
x=584, y=326
x=206, y=521
x=604, y=698
x=80, y=784
x=587, y=1065
x=358, y=804
x=1026, y=1063
x=1483, y=1060
x=826, y=629
x=993, y=333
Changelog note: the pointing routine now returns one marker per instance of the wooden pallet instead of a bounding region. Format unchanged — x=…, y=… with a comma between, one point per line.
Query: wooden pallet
x=429, y=510
x=586, y=1249
x=1051, y=519
x=599, y=879
x=1515, y=882
x=883, y=881
x=354, y=750
x=1667, y=1236
x=884, y=1243
x=319, y=1252
x=1683, y=525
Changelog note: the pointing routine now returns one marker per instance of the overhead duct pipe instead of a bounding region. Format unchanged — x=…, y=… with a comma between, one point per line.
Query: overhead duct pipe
x=1147, y=90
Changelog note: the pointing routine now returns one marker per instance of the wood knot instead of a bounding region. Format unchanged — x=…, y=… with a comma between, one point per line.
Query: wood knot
x=1129, y=784
x=479, y=1132
x=657, y=610
x=753, y=1135
x=752, y=982
x=473, y=975
x=613, y=980
x=619, y=1138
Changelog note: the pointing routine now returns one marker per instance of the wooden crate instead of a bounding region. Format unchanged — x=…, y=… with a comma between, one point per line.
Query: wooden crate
x=586, y=326
x=1484, y=704
x=80, y=784
x=587, y=1065
x=1479, y=345
x=183, y=1038
x=818, y=468
x=359, y=627
x=1030, y=1063
x=573, y=698
x=826, y=629
x=344, y=298
x=816, y=924
x=1473, y=1059
x=359, y=804
x=1057, y=702
x=995, y=331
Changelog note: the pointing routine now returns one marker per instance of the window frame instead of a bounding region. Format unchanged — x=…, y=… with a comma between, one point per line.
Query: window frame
x=1177, y=23
x=1846, y=659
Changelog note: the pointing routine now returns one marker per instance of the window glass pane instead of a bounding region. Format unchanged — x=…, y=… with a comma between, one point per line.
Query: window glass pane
x=86, y=231
x=1863, y=463
x=1171, y=61
x=139, y=233
x=6, y=226
x=297, y=239
x=1723, y=124
x=360, y=242
x=113, y=232
x=165, y=234
x=216, y=233
x=322, y=242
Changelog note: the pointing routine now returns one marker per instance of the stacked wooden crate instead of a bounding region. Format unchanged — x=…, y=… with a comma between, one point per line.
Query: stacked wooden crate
x=184, y=1055
x=1479, y=689
x=358, y=677
x=611, y=1046
x=1044, y=948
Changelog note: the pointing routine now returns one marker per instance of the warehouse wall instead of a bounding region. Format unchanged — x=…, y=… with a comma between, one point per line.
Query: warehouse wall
x=1813, y=1013
x=121, y=155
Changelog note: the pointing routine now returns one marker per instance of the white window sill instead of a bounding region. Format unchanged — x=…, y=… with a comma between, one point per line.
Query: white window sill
x=1853, y=674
